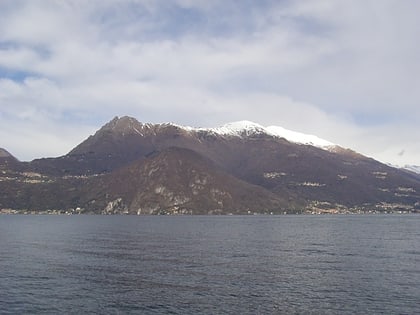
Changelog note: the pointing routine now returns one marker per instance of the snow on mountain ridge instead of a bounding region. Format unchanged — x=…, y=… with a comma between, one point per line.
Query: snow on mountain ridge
x=298, y=137
x=412, y=168
x=247, y=128
x=239, y=128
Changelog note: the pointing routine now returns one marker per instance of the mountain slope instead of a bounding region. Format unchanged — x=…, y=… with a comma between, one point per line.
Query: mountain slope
x=6, y=157
x=173, y=181
x=179, y=180
x=292, y=173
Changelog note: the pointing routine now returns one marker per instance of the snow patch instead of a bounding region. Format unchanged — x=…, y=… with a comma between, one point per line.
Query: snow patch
x=246, y=128
x=298, y=137
x=412, y=168
x=240, y=128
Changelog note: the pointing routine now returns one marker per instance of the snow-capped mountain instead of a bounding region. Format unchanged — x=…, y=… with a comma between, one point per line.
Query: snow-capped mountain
x=242, y=129
x=240, y=167
x=407, y=167
x=249, y=128
x=412, y=168
x=238, y=129
x=298, y=137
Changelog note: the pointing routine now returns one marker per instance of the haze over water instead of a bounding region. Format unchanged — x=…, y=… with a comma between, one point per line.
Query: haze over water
x=354, y=264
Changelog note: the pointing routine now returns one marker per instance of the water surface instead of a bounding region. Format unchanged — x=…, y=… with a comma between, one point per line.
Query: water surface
x=344, y=264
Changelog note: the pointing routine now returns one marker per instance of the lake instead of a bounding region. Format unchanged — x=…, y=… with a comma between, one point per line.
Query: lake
x=291, y=264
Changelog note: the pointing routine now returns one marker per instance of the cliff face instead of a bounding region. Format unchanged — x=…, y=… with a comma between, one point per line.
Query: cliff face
x=130, y=167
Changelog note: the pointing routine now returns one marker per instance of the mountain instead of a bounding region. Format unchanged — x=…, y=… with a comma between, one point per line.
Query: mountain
x=5, y=155
x=124, y=140
x=178, y=180
x=7, y=160
x=412, y=168
x=131, y=167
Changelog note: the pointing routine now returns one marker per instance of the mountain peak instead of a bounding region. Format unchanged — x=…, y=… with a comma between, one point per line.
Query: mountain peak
x=6, y=157
x=243, y=128
x=5, y=154
x=123, y=125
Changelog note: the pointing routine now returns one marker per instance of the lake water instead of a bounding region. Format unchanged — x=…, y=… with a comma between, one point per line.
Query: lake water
x=344, y=264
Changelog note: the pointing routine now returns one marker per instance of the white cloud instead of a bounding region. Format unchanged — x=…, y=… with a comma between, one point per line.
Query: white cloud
x=334, y=69
x=31, y=138
x=376, y=62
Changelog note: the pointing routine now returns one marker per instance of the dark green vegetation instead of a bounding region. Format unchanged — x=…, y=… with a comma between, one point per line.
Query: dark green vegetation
x=130, y=167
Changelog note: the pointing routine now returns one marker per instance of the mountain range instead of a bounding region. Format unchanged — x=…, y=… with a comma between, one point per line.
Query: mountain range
x=239, y=168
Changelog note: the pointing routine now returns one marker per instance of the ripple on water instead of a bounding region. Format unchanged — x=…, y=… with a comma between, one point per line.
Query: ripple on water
x=210, y=265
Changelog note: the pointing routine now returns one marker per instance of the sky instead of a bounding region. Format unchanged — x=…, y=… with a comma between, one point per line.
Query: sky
x=346, y=71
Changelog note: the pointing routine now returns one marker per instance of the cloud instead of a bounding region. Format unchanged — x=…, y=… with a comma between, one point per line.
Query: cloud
x=345, y=71
x=376, y=54
x=41, y=137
